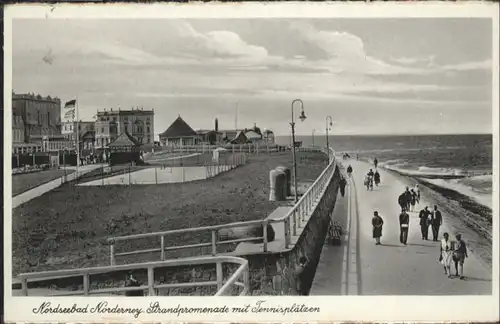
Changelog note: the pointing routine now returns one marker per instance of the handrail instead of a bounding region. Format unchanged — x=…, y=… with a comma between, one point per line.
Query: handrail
x=242, y=271
x=304, y=206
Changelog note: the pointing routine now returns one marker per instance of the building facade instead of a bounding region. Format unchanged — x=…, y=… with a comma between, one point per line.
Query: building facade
x=17, y=130
x=41, y=116
x=112, y=123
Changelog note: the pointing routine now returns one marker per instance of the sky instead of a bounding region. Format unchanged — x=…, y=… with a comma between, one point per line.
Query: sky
x=371, y=75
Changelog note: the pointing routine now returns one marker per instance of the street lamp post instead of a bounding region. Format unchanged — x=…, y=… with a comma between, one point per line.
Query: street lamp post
x=302, y=117
x=327, y=128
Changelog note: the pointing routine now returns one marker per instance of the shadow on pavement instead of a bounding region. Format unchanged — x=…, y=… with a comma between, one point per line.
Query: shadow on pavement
x=424, y=245
x=476, y=279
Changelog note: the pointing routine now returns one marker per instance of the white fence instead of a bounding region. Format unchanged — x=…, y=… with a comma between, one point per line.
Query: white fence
x=298, y=214
x=240, y=277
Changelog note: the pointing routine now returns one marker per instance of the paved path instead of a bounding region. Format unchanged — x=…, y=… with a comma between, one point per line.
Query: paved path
x=391, y=268
x=46, y=187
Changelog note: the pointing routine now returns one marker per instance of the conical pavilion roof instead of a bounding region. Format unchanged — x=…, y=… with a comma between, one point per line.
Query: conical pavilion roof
x=179, y=128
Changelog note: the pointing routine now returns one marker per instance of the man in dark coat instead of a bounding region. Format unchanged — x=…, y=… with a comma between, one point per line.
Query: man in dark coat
x=342, y=184
x=424, y=222
x=404, y=223
x=437, y=221
x=408, y=198
x=402, y=201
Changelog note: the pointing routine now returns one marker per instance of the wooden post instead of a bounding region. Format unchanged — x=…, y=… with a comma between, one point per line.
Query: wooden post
x=218, y=270
x=286, y=226
x=214, y=242
x=151, y=281
x=112, y=254
x=295, y=222
x=162, y=243
x=86, y=284
x=265, y=235
x=156, y=178
x=24, y=286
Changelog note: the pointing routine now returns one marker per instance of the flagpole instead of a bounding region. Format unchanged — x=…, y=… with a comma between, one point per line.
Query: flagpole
x=77, y=138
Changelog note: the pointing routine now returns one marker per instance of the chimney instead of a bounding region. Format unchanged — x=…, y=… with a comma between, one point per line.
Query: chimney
x=216, y=125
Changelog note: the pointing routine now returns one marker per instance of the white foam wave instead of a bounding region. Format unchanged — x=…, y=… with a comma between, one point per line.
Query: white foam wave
x=423, y=171
x=478, y=188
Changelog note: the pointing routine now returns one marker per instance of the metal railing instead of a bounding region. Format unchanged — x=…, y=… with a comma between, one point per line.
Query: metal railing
x=240, y=278
x=297, y=213
x=214, y=168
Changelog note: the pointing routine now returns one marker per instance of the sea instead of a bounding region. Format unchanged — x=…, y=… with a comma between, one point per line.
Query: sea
x=462, y=163
x=455, y=170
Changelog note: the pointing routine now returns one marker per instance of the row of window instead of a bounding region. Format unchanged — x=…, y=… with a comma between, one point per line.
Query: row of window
x=138, y=129
x=125, y=119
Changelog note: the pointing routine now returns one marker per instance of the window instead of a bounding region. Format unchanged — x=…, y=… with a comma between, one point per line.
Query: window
x=148, y=129
x=149, y=140
x=102, y=130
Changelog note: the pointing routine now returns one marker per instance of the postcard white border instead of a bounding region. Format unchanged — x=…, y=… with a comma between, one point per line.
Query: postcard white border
x=362, y=308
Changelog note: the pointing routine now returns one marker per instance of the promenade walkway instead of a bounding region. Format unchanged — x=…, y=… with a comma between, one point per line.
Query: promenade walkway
x=390, y=268
x=46, y=187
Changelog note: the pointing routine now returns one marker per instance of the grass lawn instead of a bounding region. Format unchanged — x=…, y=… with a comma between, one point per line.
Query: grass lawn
x=27, y=181
x=67, y=227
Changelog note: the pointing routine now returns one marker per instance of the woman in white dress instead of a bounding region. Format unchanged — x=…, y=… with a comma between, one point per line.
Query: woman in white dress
x=446, y=254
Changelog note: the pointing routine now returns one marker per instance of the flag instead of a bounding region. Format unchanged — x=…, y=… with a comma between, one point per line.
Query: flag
x=70, y=104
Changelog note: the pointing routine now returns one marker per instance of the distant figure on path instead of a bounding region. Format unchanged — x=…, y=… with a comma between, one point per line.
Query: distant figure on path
x=300, y=276
x=377, y=178
x=437, y=221
x=375, y=162
x=417, y=190
x=445, y=254
x=424, y=222
x=349, y=170
x=402, y=201
x=408, y=198
x=377, y=223
x=342, y=184
x=459, y=255
x=404, y=223
x=132, y=282
x=413, y=200
x=357, y=157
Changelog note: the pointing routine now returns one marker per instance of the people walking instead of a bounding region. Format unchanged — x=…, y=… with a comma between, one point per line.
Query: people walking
x=349, y=170
x=424, y=222
x=417, y=191
x=377, y=178
x=413, y=200
x=377, y=223
x=402, y=201
x=342, y=184
x=375, y=162
x=404, y=223
x=408, y=198
x=446, y=254
x=459, y=255
x=437, y=221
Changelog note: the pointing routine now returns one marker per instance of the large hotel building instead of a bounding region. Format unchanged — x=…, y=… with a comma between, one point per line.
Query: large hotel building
x=112, y=123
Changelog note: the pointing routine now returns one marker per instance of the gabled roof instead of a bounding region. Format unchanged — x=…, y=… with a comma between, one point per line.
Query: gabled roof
x=124, y=140
x=251, y=134
x=240, y=138
x=179, y=128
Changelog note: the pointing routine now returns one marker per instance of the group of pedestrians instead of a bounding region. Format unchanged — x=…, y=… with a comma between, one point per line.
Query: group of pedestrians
x=453, y=252
x=409, y=199
x=432, y=219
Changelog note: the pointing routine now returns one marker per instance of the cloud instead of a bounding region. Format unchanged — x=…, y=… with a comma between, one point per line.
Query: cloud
x=468, y=66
